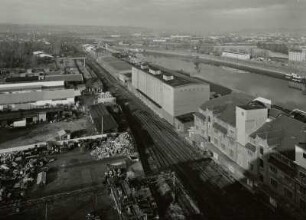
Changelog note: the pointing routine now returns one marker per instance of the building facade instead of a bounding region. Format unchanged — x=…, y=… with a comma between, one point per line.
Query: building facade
x=239, y=56
x=271, y=151
x=35, y=95
x=297, y=55
x=168, y=94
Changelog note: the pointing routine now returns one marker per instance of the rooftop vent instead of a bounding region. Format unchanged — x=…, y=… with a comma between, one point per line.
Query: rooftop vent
x=168, y=77
x=144, y=67
x=154, y=72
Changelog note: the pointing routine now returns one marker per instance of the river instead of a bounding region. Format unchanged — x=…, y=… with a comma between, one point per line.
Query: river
x=253, y=84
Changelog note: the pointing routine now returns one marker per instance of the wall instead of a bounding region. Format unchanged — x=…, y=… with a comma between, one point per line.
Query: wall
x=297, y=56
x=248, y=121
x=299, y=158
x=189, y=98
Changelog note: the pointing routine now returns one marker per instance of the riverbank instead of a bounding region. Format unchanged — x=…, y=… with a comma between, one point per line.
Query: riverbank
x=220, y=61
x=255, y=85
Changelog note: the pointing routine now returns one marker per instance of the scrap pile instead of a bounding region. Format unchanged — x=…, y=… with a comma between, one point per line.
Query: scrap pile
x=118, y=146
x=18, y=171
x=133, y=199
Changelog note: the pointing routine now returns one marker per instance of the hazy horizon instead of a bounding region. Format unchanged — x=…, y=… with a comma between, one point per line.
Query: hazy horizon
x=196, y=16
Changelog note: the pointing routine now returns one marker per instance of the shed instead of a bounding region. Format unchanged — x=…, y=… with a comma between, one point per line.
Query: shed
x=99, y=114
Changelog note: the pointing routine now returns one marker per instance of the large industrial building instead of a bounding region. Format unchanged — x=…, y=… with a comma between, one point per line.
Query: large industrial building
x=168, y=93
x=19, y=96
x=266, y=145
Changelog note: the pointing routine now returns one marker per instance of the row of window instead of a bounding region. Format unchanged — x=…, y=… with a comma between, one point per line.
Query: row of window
x=192, y=89
x=288, y=193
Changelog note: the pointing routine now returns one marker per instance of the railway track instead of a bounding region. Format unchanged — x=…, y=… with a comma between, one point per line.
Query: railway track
x=167, y=150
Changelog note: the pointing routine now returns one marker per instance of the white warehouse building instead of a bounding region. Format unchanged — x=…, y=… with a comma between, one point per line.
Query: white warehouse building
x=168, y=93
x=234, y=55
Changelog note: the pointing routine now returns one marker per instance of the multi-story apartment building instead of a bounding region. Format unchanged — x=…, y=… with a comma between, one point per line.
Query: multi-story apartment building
x=170, y=94
x=297, y=55
x=269, y=147
x=280, y=163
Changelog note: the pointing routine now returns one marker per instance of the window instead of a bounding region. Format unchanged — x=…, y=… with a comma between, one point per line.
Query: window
x=208, y=118
x=261, y=178
x=209, y=139
x=273, y=169
x=288, y=193
x=274, y=183
x=261, y=150
x=261, y=163
x=304, y=155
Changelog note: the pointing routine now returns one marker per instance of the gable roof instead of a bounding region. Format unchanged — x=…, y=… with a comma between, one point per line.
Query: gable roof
x=224, y=107
x=283, y=133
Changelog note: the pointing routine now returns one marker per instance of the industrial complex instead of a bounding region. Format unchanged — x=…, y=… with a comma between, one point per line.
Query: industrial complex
x=169, y=94
x=135, y=125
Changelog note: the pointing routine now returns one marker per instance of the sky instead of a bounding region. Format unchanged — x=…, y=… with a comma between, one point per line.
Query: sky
x=185, y=15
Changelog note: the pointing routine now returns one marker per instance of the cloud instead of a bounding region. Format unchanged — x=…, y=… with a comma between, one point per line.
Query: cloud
x=179, y=14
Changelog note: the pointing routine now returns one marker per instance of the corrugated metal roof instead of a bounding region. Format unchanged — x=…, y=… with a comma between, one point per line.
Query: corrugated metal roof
x=16, y=98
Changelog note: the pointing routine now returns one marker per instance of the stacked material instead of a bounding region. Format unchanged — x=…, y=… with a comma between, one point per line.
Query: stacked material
x=175, y=212
x=119, y=146
x=18, y=170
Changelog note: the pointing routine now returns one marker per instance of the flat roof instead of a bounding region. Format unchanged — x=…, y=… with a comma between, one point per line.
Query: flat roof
x=29, y=85
x=178, y=80
x=18, y=98
x=65, y=77
x=116, y=64
x=253, y=105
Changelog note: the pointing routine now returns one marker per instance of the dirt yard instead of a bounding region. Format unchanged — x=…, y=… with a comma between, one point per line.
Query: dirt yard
x=13, y=137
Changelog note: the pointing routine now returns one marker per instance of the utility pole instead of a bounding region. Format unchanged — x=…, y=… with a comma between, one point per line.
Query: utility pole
x=174, y=185
x=102, y=120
